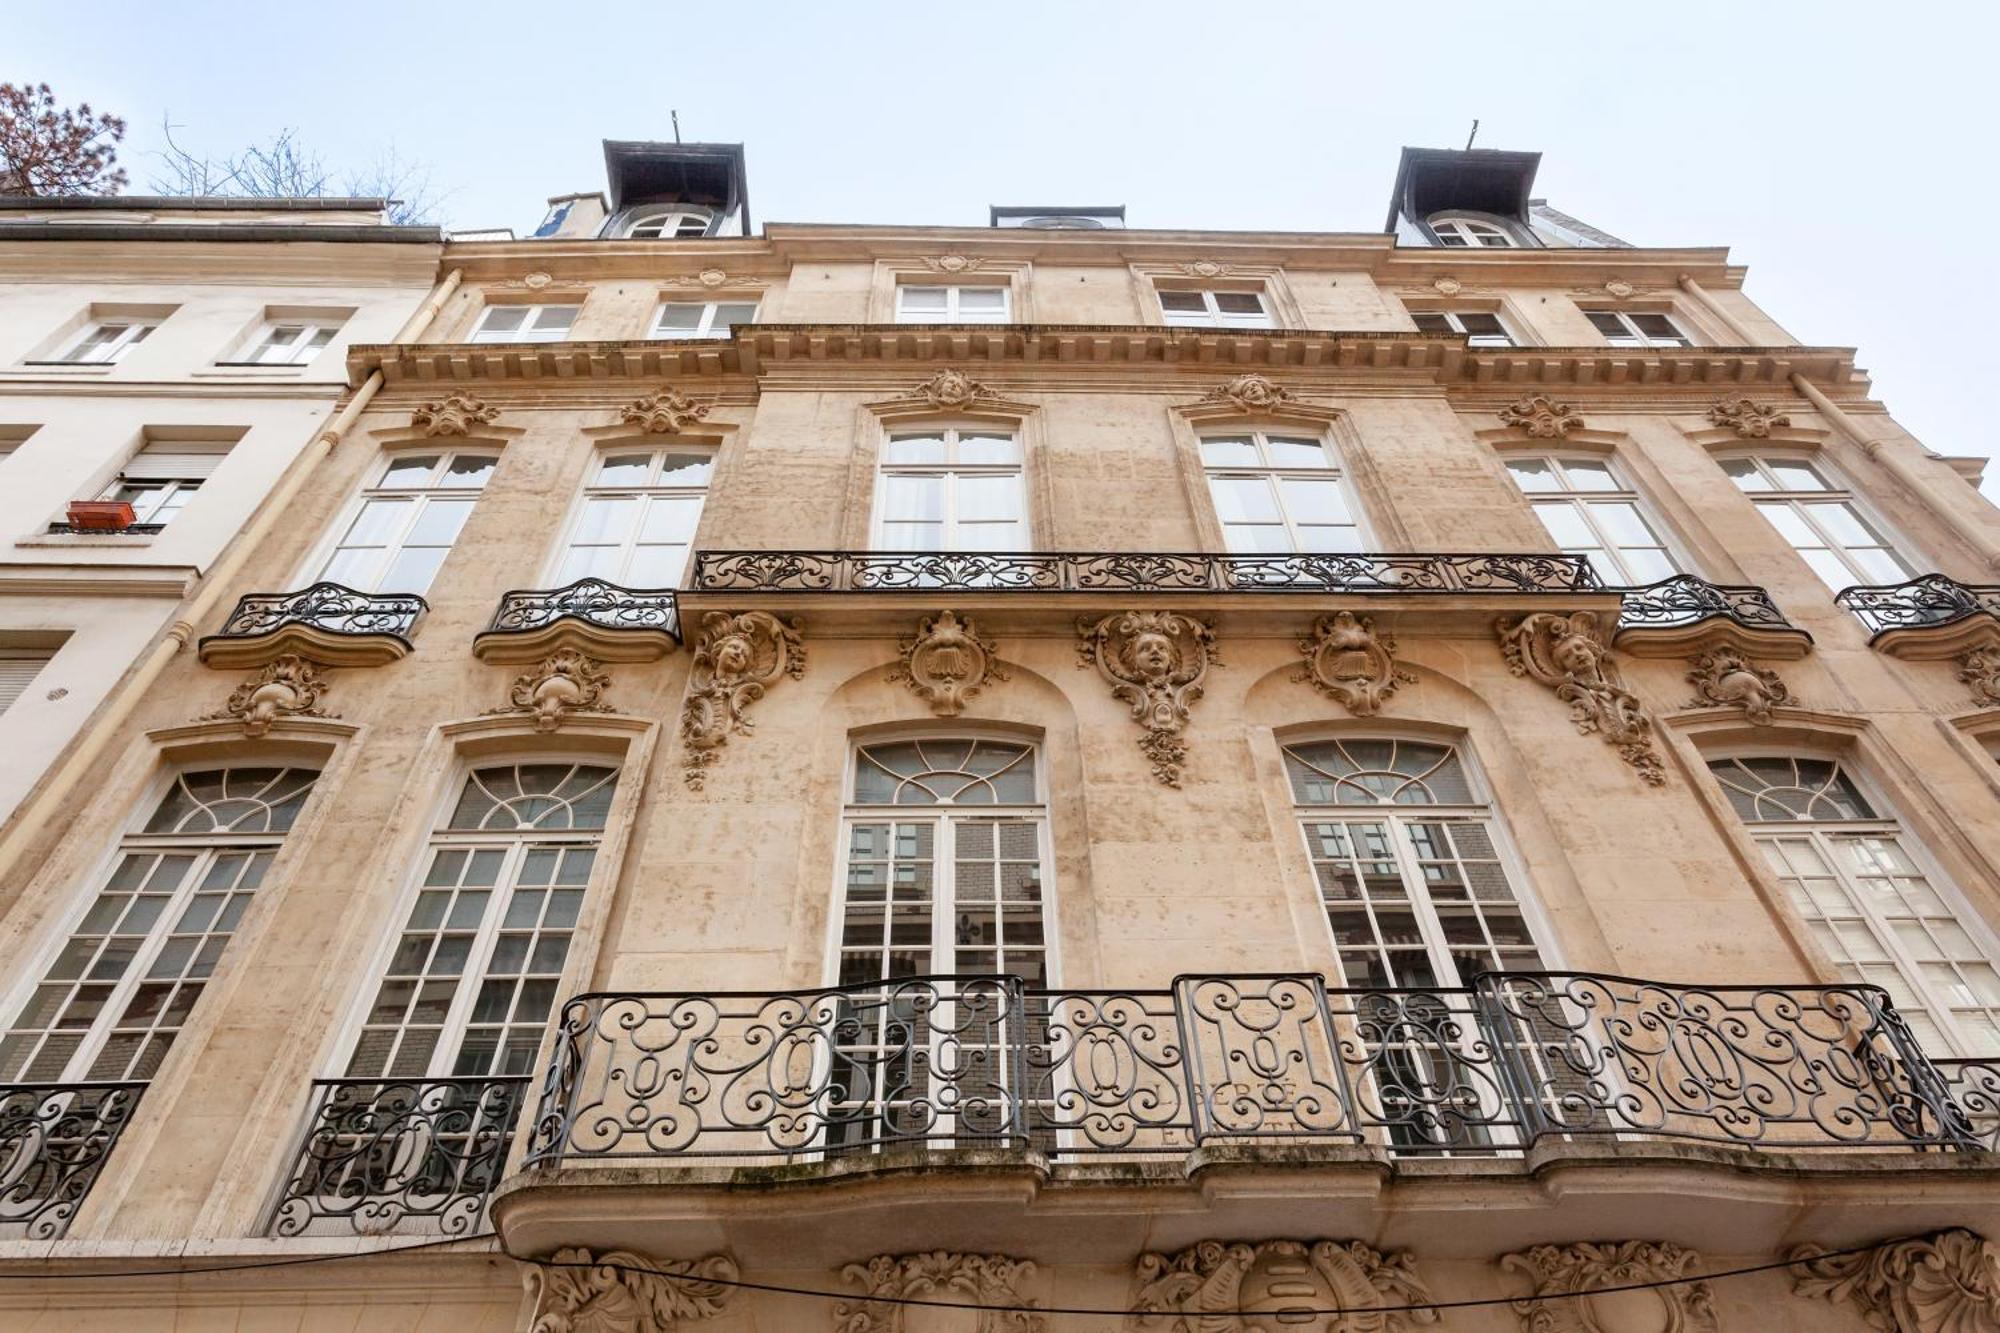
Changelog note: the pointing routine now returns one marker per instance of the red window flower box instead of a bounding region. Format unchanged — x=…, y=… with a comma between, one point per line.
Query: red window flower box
x=100, y=515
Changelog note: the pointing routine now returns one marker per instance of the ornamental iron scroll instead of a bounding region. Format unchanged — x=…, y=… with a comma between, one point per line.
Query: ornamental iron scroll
x=947, y=663
x=54, y=1140
x=1979, y=669
x=1750, y=419
x=1930, y=601
x=990, y=1280
x=1947, y=1282
x=1725, y=678
x=591, y=601
x=1566, y=1276
x=1222, y=1285
x=736, y=658
x=1250, y=393
x=1155, y=661
x=330, y=607
x=667, y=412
x=566, y=681
x=1542, y=417
x=1568, y=654
x=289, y=686
x=1685, y=599
x=454, y=414
x=621, y=1291
x=1348, y=661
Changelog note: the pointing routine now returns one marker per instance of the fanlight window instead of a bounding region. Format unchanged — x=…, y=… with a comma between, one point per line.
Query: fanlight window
x=945, y=772
x=1790, y=789
x=670, y=224
x=535, y=796
x=1471, y=232
x=1377, y=772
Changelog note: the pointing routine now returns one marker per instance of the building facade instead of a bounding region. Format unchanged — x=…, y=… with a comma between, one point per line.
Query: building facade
x=789, y=779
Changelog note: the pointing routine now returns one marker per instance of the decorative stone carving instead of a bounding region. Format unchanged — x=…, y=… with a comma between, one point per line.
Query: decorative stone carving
x=1447, y=286
x=1204, y=268
x=1947, y=1282
x=667, y=412
x=1542, y=417
x=1750, y=419
x=1569, y=654
x=736, y=658
x=1723, y=677
x=289, y=687
x=1578, y=1271
x=711, y=278
x=565, y=682
x=1348, y=661
x=1619, y=289
x=947, y=663
x=1250, y=393
x=536, y=280
x=455, y=414
x=939, y=1275
x=952, y=388
x=1155, y=661
x=950, y=263
x=619, y=1291
x=1205, y=1287
x=1980, y=669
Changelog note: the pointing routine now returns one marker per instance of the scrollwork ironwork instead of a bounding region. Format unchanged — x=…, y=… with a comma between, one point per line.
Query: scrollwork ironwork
x=54, y=1139
x=1930, y=602
x=592, y=601
x=330, y=607
x=1685, y=600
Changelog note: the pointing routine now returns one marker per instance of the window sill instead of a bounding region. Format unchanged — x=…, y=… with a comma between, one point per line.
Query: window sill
x=39, y=368
x=248, y=370
x=68, y=539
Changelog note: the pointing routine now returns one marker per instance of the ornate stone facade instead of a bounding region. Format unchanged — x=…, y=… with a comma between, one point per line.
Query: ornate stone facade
x=291, y=686
x=668, y=412
x=1542, y=417
x=1750, y=419
x=947, y=663
x=620, y=1291
x=1569, y=655
x=1250, y=393
x=1220, y=1287
x=566, y=681
x=1155, y=661
x=1348, y=661
x=736, y=658
x=1979, y=668
x=1565, y=1276
x=454, y=414
x=952, y=389
x=1725, y=678
x=1947, y=1282
x=938, y=1275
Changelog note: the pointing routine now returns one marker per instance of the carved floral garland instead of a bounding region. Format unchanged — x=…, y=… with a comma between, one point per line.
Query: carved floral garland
x=619, y=1291
x=736, y=658
x=1155, y=661
x=1568, y=654
x=1947, y=1282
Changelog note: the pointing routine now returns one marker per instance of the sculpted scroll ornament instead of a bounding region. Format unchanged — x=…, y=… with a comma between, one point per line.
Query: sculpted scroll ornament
x=1750, y=419
x=1980, y=669
x=939, y=1275
x=667, y=412
x=1948, y=1282
x=565, y=682
x=952, y=388
x=1348, y=661
x=1155, y=661
x=1542, y=417
x=1724, y=677
x=1578, y=1270
x=619, y=1291
x=1217, y=1287
x=947, y=663
x=455, y=414
x=736, y=658
x=1250, y=393
x=1568, y=654
x=289, y=687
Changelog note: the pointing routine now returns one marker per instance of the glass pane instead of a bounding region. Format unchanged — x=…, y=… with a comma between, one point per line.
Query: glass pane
x=412, y=570
x=409, y=470
x=990, y=498
x=439, y=523
x=1229, y=451
x=981, y=300
x=1533, y=474
x=378, y=522
x=1183, y=302
x=686, y=469
x=1294, y=453
x=921, y=300
x=625, y=470
x=605, y=520
x=469, y=471
x=988, y=450
x=1315, y=501
x=1794, y=475
x=1239, y=303
x=1243, y=499
x=671, y=519
x=914, y=449
x=1745, y=473
x=909, y=498
x=684, y=315
x=1588, y=474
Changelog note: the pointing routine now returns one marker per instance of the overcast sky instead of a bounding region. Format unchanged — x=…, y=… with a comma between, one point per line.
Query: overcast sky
x=1843, y=151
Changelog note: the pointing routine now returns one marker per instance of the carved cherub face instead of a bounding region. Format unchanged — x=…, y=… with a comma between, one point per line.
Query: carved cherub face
x=1151, y=656
x=733, y=655
x=1575, y=654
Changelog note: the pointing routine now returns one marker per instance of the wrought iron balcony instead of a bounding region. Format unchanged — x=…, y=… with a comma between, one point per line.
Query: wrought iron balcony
x=383, y=1154
x=1663, y=617
x=611, y=623
x=329, y=622
x=1137, y=571
x=1900, y=615
x=54, y=1138
x=1492, y=1068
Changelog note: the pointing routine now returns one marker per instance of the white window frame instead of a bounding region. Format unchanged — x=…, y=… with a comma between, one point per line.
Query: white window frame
x=650, y=490
x=1455, y=322
x=530, y=330
x=952, y=314
x=1801, y=505
x=705, y=326
x=1273, y=475
x=1465, y=232
x=1211, y=315
x=1633, y=336
x=310, y=336
x=952, y=471
x=131, y=332
x=1582, y=502
x=667, y=222
x=156, y=495
x=317, y=570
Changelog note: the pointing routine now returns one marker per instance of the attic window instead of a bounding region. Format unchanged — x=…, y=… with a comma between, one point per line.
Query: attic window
x=1468, y=232
x=1061, y=222
x=668, y=224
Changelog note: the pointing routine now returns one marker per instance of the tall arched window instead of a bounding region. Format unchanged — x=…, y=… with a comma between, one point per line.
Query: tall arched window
x=1279, y=493
x=471, y=983
x=639, y=516
x=1868, y=902
x=112, y=1001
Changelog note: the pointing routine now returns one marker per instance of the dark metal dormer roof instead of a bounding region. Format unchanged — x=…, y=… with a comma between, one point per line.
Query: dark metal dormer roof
x=644, y=171
x=1477, y=180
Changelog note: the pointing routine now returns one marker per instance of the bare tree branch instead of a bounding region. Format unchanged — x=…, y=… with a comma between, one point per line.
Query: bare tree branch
x=284, y=168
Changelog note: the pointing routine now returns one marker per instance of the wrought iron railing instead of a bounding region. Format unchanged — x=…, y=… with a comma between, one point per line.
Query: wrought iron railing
x=129, y=530
x=54, y=1138
x=593, y=601
x=332, y=607
x=1136, y=571
x=988, y=1061
x=1928, y=602
x=1975, y=1087
x=1686, y=600
x=382, y=1154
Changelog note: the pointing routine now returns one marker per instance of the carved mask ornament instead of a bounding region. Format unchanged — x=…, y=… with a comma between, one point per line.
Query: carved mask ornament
x=1724, y=677
x=1980, y=669
x=1250, y=393
x=290, y=686
x=947, y=663
x=1569, y=655
x=620, y=1291
x=455, y=414
x=1748, y=418
x=1272, y=1286
x=665, y=413
x=1542, y=417
x=736, y=658
x=1947, y=1282
x=1579, y=1273
x=939, y=1275
x=565, y=682
x=952, y=388
x=1348, y=661
x=1155, y=661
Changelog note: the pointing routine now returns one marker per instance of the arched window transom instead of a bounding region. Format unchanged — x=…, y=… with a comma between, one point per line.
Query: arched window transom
x=945, y=772
x=1468, y=232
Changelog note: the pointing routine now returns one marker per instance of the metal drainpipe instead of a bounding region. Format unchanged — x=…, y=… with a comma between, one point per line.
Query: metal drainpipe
x=1714, y=307
x=33, y=817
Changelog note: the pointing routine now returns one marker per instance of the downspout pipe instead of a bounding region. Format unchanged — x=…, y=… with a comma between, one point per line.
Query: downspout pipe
x=34, y=817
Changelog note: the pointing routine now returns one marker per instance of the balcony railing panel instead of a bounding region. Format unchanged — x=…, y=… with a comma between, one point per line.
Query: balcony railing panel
x=399, y=1154
x=332, y=608
x=54, y=1139
x=1685, y=599
x=1930, y=602
x=592, y=601
x=1975, y=1087
x=987, y=1061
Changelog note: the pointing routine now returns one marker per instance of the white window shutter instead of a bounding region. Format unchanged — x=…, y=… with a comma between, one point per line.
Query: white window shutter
x=175, y=460
x=17, y=672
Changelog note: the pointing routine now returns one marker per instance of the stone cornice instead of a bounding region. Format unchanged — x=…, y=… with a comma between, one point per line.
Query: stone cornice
x=92, y=252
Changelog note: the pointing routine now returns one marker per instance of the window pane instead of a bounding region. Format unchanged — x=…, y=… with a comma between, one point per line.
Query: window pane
x=503, y=319
x=409, y=470
x=1745, y=473
x=1607, y=323
x=1433, y=322
x=686, y=469
x=413, y=569
x=914, y=449
x=554, y=319
x=1243, y=499
x=906, y=498
x=1794, y=475
x=728, y=314
x=1588, y=474
x=683, y=315
x=1315, y=501
x=469, y=471
x=378, y=522
x=1228, y=451
x=1624, y=524
x=1183, y=302
x=439, y=523
x=981, y=300
x=984, y=450
x=670, y=519
x=605, y=520
x=1566, y=525
x=1297, y=453
x=1533, y=474
x=921, y=300
x=625, y=470
x=1239, y=303
x=988, y=498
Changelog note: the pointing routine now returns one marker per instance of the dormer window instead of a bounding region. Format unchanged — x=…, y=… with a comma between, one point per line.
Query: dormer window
x=667, y=224
x=1457, y=229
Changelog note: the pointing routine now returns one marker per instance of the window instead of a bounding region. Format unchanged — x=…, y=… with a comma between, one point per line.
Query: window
x=1590, y=511
x=290, y=342
x=122, y=986
x=951, y=490
x=952, y=305
x=1279, y=494
x=106, y=343
x=668, y=224
x=1474, y=233
x=160, y=480
x=1208, y=310
x=525, y=324
x=470, y=986
x=701, y=319
x=1819, y=519
x=1622, y=328
x=18, y=669
x=1867, y=901
x=406, y=522
x=638, y=518
x=1480, y=328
